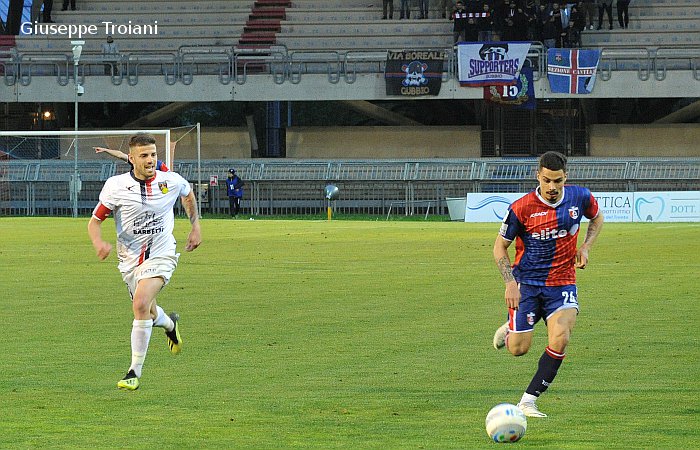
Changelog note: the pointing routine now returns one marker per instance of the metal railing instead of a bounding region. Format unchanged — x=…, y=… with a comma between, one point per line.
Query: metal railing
x=41, y=187
x=232, y=63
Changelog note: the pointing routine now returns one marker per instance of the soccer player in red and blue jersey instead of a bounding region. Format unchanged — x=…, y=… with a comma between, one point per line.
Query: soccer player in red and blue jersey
x=541, y=283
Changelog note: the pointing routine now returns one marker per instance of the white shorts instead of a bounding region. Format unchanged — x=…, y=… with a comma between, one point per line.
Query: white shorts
x=158, y=266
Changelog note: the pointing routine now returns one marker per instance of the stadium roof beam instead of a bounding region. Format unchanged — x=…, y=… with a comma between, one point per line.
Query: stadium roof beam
x=161, y=115
x=379, y=113
x=687, y=114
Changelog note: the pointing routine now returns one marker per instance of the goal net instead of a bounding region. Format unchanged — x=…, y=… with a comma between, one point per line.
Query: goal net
x=60, y=173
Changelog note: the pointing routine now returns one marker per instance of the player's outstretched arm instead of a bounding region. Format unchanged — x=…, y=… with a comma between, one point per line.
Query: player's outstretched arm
x=194, y=239
x=500, y=254
x=594, y=227
x=102, y=248
x=114, y=153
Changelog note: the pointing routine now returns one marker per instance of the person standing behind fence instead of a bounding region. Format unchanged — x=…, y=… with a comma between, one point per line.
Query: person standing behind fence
x=387, y=5
x=110, y=53
x=405, y=9
x=604, y=6
x=587, y=9
x=445, y=8
x=460, y=16
x=234, y=190
x=484, y=24
x=423, y=8
x=623, y=15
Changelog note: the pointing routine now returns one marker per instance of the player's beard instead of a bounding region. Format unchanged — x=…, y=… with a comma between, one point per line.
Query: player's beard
x=145, y=172
x=552, y=195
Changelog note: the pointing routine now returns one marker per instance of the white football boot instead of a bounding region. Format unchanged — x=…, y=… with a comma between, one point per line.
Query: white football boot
x=530, y=409
x=499, y=338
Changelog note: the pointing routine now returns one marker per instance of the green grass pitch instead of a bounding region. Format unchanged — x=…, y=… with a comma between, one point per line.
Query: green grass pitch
x=342, y=334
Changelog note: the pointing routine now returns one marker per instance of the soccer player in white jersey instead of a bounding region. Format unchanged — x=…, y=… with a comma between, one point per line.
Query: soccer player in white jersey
x=142, y=201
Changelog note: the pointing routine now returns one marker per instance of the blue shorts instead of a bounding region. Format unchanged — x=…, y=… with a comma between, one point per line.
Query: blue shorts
x=537, y=302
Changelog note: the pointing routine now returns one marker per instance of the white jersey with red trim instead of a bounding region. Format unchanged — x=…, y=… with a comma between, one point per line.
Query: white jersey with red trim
x=143, y=214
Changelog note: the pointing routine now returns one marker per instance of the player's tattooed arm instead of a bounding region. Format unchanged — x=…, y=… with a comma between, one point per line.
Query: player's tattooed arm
x=500, y=255
x=190, y=205
x=505, y=268
x=194, y=239
x=594, y=227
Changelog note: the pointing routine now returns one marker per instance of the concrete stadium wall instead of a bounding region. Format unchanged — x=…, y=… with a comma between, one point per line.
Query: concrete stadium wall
x=217, y=143
x=672, y=140
x=391, y=142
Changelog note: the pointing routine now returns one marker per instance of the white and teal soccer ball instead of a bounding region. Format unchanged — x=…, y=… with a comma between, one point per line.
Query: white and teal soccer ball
x=506, y=423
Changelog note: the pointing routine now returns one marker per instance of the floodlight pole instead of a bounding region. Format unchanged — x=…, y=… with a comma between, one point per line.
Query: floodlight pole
x=77, y=47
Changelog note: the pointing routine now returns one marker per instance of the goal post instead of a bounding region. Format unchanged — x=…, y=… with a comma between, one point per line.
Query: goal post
x=52, y=167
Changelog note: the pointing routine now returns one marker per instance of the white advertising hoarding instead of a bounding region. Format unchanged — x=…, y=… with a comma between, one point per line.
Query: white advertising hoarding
x=681, y=206
x=488, y=207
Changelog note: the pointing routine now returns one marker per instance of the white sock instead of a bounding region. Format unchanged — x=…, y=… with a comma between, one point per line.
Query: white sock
x=163, y=320
x=528, y=398
x=140, y=335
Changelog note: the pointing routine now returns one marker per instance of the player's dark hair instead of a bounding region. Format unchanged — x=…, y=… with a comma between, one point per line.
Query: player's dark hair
x=553, y=161
x=141, y=140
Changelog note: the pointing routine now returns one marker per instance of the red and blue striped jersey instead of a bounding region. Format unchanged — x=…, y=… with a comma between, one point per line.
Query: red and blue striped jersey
x=545, y=235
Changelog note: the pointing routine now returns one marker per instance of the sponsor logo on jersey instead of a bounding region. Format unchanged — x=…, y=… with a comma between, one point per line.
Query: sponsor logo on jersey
x=547, y=233
x=148, y=223
x=538, y=214
x=555, y=233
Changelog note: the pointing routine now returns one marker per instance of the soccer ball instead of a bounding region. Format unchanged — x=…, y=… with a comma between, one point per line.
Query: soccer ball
x=506, y=423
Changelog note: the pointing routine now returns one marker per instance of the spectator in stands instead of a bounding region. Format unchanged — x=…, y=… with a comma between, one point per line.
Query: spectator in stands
x=387, y=5
x=445, y=8
x=499, y=12
x=485, y=24
x=587, y=10
x=541, y=18
x=234, y=190
x=423, y=8
x=604, y=6
x=515, y=26
x=460, y=17
x=65, y=5
x=405, y=9
x=110, y=54
x=36, y=10
x=623, y=15
x=577, y=23
x=530, y=10
x=48, y=6
x=552, y=31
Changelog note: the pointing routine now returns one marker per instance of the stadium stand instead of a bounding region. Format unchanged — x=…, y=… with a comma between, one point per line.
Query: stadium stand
x=653, y=23
x=295, y=187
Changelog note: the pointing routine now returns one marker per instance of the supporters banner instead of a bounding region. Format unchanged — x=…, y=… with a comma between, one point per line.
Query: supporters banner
x=414, y=73
x=520, y=95
x=490, y=63
x=572, y=71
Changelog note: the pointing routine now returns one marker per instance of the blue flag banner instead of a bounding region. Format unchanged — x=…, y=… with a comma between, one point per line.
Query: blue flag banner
x=572, y=71
x=520, y=95
x=490, y=63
